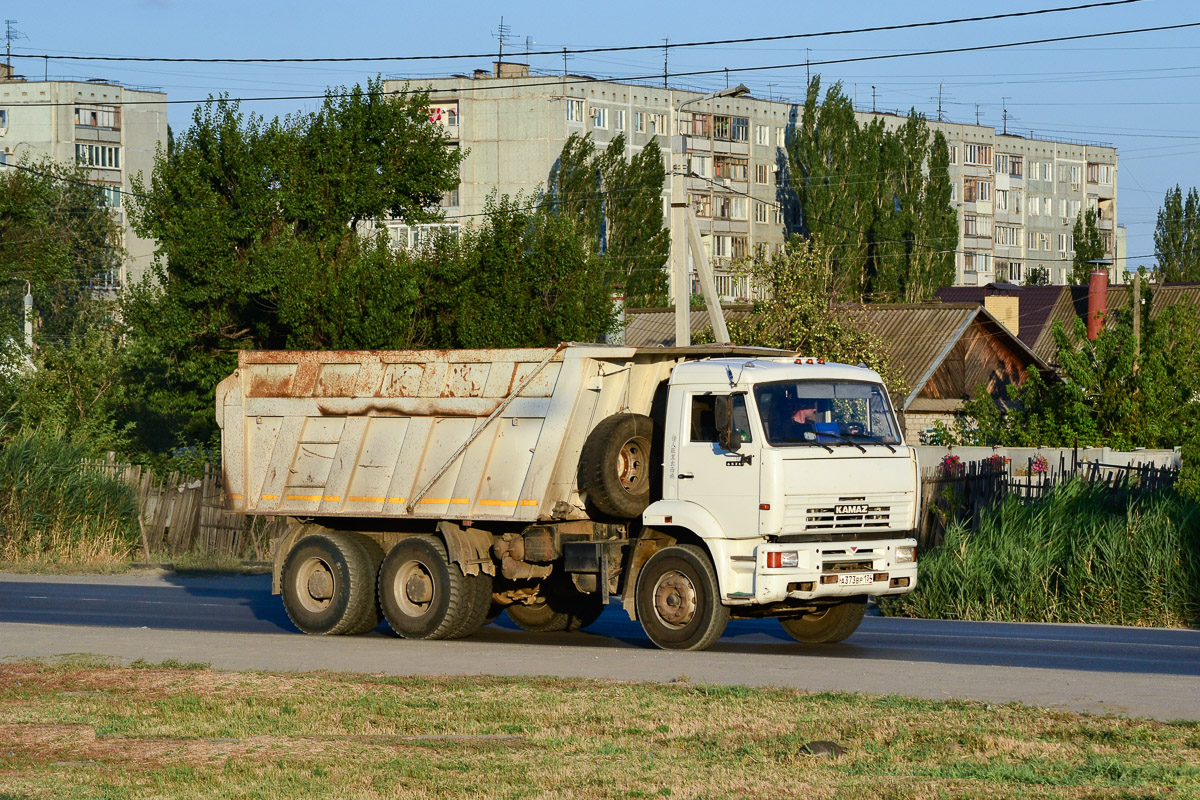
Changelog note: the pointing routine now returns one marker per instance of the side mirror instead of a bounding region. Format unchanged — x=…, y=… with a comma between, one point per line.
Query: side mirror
x=723, y=415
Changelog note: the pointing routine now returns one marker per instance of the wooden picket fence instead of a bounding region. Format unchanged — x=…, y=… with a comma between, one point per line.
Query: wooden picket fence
x=963, y=491
x=180, y=514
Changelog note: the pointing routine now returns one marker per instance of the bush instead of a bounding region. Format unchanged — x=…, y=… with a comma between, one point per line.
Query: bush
x=55, y=508
x=1083, y=554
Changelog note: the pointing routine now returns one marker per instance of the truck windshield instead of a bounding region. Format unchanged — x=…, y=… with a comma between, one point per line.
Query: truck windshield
x=826, y=413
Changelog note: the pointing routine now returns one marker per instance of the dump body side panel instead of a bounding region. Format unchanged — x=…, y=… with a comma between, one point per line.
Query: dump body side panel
x=466, y=434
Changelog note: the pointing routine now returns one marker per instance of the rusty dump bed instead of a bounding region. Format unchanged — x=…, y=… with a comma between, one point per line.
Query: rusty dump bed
x=443, y=434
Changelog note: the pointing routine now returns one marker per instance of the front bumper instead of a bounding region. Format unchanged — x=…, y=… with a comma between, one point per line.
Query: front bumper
x=830, y=569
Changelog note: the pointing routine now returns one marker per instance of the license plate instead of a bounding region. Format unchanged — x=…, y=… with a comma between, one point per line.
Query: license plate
x=855, y=580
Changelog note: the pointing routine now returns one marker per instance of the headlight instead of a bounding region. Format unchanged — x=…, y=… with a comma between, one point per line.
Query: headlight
x=778, y=560
x=906, y=555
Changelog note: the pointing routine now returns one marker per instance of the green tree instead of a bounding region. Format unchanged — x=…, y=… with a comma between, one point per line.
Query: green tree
x=1177, y=237
x=57, y=234
x=267, y=233
x=879, y=199
x=1037, y=276
x=1089, y=246
x=803, y=314
x=619, y=203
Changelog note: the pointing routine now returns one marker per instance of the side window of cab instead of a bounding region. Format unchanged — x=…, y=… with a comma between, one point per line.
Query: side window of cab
x=704, y=418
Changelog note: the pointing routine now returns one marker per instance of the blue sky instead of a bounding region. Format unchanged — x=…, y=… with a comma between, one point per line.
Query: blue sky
x=1138, y=92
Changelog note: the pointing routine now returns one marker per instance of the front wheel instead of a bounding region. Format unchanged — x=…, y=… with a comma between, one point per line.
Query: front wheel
x=678, y=601
x=830, y=625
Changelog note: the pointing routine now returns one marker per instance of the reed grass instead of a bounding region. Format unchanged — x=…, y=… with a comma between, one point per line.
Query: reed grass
x=1084, y=553
x=54, y=508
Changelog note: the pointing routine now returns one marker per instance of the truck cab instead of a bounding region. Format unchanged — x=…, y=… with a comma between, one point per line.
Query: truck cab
x=794, y=474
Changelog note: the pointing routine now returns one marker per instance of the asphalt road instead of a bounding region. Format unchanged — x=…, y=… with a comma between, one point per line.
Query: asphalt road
x=235, y=623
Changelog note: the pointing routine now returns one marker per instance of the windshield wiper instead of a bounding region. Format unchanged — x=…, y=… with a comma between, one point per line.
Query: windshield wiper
x=837, y=437
x=876, y=440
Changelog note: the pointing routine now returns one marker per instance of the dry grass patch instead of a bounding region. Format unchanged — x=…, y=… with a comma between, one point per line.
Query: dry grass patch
x=91, y=729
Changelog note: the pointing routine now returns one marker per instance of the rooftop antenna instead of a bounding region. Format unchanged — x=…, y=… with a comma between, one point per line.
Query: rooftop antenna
x=10, y=33
x=807, y=72
x=666, y=50
x=873, y=99
x=529, y=42
x=977, y=113
x=941, y=86
x=502, y=32
x=1004, y=103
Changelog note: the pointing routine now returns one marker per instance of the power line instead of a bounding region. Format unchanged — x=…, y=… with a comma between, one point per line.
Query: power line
x=623, y=48
x=691, y=73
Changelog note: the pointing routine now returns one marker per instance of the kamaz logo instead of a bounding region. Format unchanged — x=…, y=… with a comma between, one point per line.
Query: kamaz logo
x=855, y=509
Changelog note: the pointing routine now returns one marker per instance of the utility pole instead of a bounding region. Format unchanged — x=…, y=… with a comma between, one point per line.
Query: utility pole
x=807, y=73
x=666, y=43
x=10, y=33
x=1137, y=317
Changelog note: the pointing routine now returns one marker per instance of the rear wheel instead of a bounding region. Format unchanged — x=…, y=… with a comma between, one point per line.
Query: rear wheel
x=569, y=611
x=830, y=625
x=328, y=585
x=477, y=606
x=422, y=594
x=678, y=601
x=372, y=614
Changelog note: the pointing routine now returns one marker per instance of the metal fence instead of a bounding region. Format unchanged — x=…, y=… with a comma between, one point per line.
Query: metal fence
x=958, y=491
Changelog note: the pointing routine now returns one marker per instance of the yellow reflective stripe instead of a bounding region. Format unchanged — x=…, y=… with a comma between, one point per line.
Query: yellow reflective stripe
x=456, y=501
x=529, y=502
x=311, y=498
x=365, y=499
x=498, y=503
x=270, y=497
x=395, y=499
x=235, y=497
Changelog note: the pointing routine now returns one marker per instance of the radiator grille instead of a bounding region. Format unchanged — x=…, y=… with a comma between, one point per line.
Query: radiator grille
x=846, y=514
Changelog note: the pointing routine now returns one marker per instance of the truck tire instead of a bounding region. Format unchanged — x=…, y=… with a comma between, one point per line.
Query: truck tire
x=678, y=601
x=615, y=465
x=479, y=603
x=328, y=585
x=372, y=613
x=560, y=612
x=423, y=595
x=539, y=618
x=833, y=624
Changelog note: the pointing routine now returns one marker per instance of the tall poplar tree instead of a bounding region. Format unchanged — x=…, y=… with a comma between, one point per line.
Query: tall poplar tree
x=1177, y=237
x=1089, y=247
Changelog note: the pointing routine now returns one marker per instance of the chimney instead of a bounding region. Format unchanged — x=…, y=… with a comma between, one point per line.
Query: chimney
x=1097, y=302
x=1006, y=309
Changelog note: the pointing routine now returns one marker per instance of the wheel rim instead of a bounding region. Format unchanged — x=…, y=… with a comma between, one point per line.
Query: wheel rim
x=675, y=599
x=315, y=583
x=631, y=464
x=413, y=589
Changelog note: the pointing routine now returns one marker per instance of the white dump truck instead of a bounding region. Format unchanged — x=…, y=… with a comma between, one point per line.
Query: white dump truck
x=438, y=489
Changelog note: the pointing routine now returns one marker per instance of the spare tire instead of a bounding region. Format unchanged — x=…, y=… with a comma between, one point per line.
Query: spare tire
x=615, y=466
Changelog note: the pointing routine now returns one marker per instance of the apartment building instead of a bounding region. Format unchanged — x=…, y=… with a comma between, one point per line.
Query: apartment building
x=732, y=149
x=110, y=129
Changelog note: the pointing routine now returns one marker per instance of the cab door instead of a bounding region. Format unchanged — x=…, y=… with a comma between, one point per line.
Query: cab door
x=723, y=481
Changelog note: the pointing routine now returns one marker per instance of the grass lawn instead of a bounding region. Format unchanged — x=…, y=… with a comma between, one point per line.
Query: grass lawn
x=83, y=727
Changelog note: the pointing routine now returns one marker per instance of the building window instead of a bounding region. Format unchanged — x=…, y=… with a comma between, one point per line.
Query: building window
x=98, y=117
x=1012, y=268
x=977, y=191
x=977, y=226
x=953, y=154
x=730, y=167
x=111, y=195
x=741, y=129
x=656, y=123
x=760, y=174
x=760, y=212
x=780, y=175
x=1008, y=165
x=639, y=121
x=701, y=204
x=620, y=119
x=701, y=125
x=980, y=154
x=1008, y=236
x=1064, y=243
x=1047, y=171
x=700, y=166
x=721, y=206
x=737, y=208
x=762, y=134
x=3, y=118
x=953, y=191
x=574, y=111
x=599, y=117
x=1100, y=173
x=781, y=137
x=98, y=155
x=721, y=127
x=452, y=117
